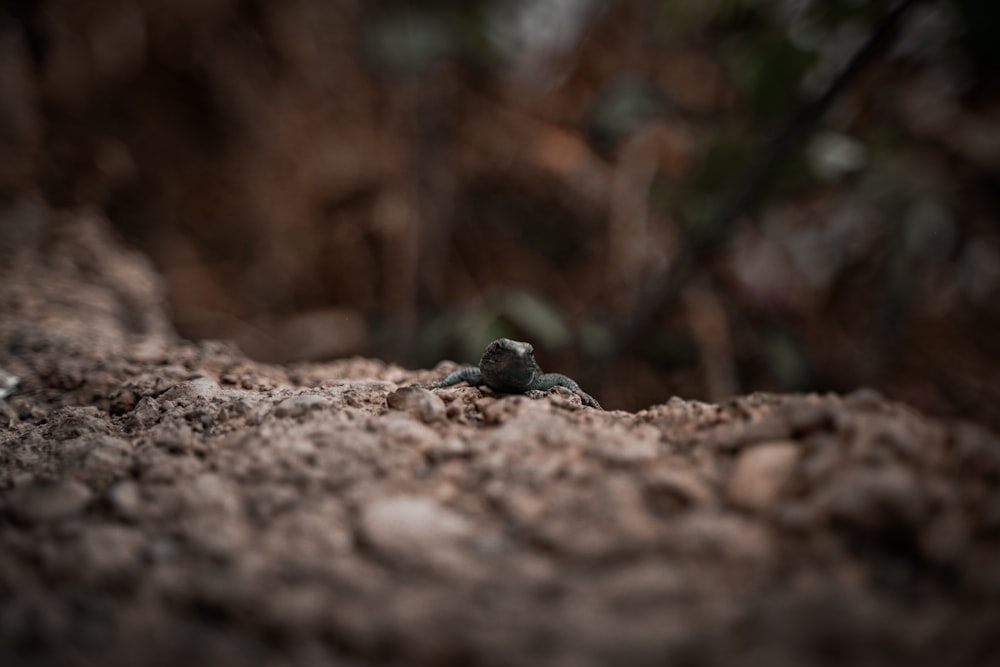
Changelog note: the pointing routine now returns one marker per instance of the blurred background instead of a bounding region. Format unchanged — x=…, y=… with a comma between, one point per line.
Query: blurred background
x=666, y=197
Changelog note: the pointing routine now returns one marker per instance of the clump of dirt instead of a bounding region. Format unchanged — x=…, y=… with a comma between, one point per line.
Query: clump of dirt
x=164, y=502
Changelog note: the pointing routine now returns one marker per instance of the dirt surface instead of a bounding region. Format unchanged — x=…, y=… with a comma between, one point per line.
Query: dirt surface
x=164, y=503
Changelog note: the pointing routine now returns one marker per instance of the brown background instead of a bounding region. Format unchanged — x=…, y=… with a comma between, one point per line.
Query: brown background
x=409, y=180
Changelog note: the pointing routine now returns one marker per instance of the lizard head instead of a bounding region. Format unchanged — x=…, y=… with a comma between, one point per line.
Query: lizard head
x=509, y=365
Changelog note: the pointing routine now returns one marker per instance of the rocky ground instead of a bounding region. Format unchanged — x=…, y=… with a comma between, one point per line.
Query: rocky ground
x=164, y=502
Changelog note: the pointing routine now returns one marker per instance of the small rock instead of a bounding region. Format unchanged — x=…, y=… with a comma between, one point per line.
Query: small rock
x=297, y=406
x=162, y=549
x=8, y=415
x=211, y=493
x=448, y=448
x=42, y=501
x=72, y=422
x=125, y=499
x=111, y=550
x=421, y=403
x=220, y=536
x=8, y=383
x=96, y=461
x=667, y=491
x=865, y=399
x=710, y=534
x=145, y=414
x=156, y=466
x=174, y=436
x=412, y=529
x=401, y=429
x=761, y=473
x=495, y=412
x=202, y=387
x=641, y=586
x=738, y=434
x=627, y=447
x=821, y=458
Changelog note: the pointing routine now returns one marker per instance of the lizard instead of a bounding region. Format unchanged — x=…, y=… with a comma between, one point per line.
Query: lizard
x=509, y=366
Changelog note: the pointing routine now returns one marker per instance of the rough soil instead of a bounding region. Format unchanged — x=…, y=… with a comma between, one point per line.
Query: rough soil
x=164, y=502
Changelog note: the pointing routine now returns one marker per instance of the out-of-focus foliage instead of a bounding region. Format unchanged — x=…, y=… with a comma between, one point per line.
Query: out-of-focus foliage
x=405, y=179
x=518, y=314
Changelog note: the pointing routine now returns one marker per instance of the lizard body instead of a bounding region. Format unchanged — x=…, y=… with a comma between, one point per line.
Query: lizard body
x=509, y=366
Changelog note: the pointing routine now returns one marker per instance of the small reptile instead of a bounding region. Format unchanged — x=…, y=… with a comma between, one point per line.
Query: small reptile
x=509, y=366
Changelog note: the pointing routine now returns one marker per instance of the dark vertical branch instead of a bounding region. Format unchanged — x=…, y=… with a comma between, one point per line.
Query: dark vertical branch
x=663, y=290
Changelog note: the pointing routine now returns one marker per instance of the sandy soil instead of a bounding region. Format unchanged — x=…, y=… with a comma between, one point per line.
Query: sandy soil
x=164, y=502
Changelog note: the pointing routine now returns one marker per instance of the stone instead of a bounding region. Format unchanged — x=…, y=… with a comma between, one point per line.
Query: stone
x=145, y=414
x=423, y=404
x=761, y=473
x=111, y=550
x=43, y=501
x=126, y=499
x=412, y=529
x=298, y=406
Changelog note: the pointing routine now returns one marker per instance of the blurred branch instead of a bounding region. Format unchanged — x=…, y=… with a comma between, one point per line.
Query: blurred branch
x=710, y=329
x=663, y=290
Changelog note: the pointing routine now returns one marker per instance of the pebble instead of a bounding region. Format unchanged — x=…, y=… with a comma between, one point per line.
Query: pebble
x=738, y=434
x=96, y=461
x=42, y=501
x=406, y=431
x=174, y=436
x=761, y=473
x=72, y=422
x=711, y=534
x=126, y=499
x=8, y=383
x=111, y=550
x=443, y=449
x=297, y=406
x=8, y=415
x=145, y=414
x=211, y=493
x=412, y=529
x=423, y=404
x=496, y=411
x=864, y=399
x=627, y=447
x=198, y=388
x=668, y=491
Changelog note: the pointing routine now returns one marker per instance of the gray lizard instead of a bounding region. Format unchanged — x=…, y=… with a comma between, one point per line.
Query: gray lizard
x=509, y=366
